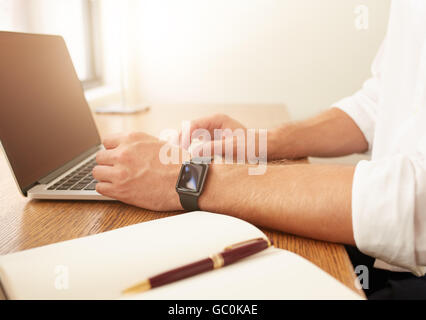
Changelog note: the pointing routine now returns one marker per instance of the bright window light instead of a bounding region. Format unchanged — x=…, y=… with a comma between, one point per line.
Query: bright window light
x=68, y=18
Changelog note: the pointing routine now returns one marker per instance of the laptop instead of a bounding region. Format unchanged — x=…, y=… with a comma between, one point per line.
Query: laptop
x=47, y=131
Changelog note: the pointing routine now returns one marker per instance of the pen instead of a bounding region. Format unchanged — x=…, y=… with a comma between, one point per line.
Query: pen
x=229, y=255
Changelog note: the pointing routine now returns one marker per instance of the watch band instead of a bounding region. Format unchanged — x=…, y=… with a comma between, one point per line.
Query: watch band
x=188, y=199
x=189, y=202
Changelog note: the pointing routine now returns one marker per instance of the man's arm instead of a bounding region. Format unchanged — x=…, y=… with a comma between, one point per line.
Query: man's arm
x=308, y=200
x=331, y=134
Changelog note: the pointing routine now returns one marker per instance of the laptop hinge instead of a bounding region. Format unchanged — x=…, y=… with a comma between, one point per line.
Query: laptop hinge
x=53, y=175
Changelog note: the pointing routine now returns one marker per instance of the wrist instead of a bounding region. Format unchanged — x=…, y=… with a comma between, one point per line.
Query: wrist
x=282, y=143
x=210, y=189
x=276, y=145
x=220, y=180
x=172, y=177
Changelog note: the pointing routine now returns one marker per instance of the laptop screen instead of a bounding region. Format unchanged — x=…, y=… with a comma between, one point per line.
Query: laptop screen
x=45, y=120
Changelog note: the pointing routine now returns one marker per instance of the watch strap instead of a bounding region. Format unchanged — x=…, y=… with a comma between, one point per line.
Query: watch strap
x=189, y=202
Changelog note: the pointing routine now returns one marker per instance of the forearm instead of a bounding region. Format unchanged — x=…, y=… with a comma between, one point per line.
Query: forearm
x=330, y=134
x=307, y=200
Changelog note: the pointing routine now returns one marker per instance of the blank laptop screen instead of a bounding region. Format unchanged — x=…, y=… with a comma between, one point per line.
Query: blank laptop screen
x=45, y=120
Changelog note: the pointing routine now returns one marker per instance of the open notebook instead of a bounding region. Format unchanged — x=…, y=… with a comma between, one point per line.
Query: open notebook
x=102, y=265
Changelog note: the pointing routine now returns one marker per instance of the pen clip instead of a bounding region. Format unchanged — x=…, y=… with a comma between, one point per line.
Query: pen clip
x=242, y=243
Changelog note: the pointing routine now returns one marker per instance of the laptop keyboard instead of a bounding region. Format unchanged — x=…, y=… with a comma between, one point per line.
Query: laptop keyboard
x=80, y=179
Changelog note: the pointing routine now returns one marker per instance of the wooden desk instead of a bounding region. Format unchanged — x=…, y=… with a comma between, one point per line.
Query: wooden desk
x=27, y=224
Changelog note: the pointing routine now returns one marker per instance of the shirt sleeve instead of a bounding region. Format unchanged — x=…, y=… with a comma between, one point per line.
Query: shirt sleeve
x=389, y=210
x=388, y=194
x=362, y=106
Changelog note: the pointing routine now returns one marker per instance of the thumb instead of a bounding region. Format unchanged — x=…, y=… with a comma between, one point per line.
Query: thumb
x=207, y=149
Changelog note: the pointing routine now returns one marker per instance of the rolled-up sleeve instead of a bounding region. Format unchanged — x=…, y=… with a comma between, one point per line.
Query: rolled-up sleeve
x=389, y=210
x=362, y=106
x=388, y=194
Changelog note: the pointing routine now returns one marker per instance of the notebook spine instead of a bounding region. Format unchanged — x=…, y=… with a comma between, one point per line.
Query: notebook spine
x=3, y=295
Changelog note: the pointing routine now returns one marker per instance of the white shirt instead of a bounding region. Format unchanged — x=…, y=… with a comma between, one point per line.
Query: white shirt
x=389, y=192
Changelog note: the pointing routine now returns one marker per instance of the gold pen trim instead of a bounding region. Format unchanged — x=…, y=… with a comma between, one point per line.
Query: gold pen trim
x=242, y=243
x=138, y=288
x=218, y=261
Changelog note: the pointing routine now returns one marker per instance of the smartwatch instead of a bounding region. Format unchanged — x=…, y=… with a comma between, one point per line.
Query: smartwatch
x=190, y=182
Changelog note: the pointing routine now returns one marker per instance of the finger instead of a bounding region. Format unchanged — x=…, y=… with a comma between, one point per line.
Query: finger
x=104, y=173
x=139, y=136
x=207, y=149
x=105, y=189
x=182, y=140
x=105, y=157
x=185, y=139
x=113, y=142
x=228, y=149
x=208, y=123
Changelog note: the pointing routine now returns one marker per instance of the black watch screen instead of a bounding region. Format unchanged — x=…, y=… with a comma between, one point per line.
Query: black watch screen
x=190, y=184
x=191, y=177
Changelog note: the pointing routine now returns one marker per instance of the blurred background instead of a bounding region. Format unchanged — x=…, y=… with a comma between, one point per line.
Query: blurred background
x=305, y=54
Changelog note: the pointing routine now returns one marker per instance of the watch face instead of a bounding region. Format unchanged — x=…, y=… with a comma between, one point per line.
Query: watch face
x=191, y=177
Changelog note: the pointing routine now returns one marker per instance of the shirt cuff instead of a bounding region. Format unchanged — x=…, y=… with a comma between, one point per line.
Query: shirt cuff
x=383, y=211
x=360, y=116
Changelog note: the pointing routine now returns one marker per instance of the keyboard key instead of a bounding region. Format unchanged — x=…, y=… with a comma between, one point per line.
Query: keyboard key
x=79, y=186
x=91, y=186
x=57, y=184
x=81, y=178
x=63, y=187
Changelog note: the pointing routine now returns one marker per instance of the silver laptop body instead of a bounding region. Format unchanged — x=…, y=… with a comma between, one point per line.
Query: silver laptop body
x=47, y=131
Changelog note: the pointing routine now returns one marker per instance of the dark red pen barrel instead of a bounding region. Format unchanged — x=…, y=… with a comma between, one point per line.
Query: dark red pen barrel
x=236, y=254
x=182, y=272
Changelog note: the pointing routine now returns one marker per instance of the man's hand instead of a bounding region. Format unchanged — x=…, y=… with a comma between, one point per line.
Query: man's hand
x=330, y=134
x=233, y=136
x=130, y=171
x=218, y=121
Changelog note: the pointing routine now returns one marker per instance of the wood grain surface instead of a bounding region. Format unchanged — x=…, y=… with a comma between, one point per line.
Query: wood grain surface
x=28, y=223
